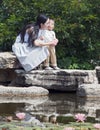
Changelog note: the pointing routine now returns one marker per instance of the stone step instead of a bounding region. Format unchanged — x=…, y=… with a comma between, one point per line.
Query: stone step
x=89, y=90
x=32, y=91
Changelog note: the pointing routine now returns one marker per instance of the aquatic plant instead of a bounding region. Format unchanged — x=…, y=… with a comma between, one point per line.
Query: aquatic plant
x=80, y=124
x=80, y=117
x=20, y=115
x=97, y=126
x=69, y=128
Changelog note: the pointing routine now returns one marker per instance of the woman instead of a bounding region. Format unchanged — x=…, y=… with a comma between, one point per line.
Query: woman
x=30, y=50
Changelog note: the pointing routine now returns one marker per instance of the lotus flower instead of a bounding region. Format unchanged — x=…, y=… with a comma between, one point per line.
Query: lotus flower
x=97, y=126
x=80, y=117
x=20, y=116
x=69, y=128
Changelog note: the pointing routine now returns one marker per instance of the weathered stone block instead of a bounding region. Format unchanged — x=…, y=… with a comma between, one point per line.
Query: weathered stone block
x=22, y=91
x=98, y=73
x=60, y=80
x=7, y=60
x=89, y=90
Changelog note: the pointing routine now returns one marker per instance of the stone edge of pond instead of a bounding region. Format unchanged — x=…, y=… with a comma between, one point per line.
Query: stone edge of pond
x=32, y=91
x=89, y=90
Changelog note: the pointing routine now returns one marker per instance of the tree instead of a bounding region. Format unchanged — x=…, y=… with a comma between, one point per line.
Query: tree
x=77, y=27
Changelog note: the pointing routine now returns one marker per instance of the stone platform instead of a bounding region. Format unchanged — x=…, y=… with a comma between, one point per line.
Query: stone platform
x=60, y=80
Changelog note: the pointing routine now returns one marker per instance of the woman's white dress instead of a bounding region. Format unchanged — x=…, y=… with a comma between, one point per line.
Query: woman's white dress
x=29, y=56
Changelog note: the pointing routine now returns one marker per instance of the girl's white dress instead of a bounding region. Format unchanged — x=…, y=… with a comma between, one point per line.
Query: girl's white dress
x=29, y=56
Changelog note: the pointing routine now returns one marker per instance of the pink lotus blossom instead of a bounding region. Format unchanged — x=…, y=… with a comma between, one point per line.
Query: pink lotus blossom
x=80, y=117
x=69, y=128
x=20, y=116
x=97, y=126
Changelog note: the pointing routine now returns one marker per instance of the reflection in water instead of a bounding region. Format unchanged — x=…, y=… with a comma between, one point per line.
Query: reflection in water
x=90, y=105
x=10, y=108
x=34, y=100
x=55, y=103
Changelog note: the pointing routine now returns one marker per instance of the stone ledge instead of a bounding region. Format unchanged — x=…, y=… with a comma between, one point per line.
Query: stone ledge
x=7, y=60
x=31, y=91
x=59, y=80
x=89, y=90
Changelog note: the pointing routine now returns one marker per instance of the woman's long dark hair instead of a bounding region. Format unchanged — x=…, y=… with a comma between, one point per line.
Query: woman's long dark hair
x=33, y=35
x=42, y=18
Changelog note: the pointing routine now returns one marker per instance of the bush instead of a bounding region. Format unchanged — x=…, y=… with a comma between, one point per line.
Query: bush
x=77, y=28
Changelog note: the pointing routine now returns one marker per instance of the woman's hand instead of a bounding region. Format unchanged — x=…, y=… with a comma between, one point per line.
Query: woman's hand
x=54, y=42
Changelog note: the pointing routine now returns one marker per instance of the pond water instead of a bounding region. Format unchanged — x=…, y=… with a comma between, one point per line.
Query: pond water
x=60, y=104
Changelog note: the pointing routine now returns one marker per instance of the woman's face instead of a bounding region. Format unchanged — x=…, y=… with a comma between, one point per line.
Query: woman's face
x=30, y=30
x=45, y=25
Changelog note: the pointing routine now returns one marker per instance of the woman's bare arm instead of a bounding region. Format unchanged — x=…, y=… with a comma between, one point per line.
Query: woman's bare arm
x=41, y=43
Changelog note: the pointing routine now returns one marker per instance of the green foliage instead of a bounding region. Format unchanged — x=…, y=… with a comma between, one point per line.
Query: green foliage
x=20, y=126
x=77, y=28
x=62, y=119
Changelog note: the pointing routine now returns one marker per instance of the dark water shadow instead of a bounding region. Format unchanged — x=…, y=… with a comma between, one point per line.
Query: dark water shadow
x=10, y=108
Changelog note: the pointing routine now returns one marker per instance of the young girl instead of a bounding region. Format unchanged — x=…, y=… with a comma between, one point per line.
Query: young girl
x=47, y=34
x=51, y=36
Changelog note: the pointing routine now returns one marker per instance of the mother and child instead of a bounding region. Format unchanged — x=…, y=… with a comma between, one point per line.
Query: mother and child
x=35, y=44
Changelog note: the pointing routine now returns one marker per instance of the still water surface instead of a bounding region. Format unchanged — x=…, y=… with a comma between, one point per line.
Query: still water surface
x=56, y=103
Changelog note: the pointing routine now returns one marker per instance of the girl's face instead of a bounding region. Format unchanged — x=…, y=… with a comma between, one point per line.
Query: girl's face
x=51, y=25
x=45, y=25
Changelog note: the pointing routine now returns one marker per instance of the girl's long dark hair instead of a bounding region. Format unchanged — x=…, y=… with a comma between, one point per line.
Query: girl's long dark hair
x=33, y=35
